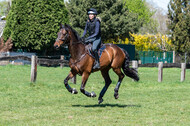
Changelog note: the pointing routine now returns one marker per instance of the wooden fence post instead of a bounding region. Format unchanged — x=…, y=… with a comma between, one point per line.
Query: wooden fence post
x=74, y=79
x=183, y=70
x=160, y=71
x=135, y=64
x=173, y=56
x=33, y=68
x=62, y=58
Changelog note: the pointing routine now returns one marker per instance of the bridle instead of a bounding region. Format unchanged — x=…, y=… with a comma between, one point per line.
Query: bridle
x=62, y=39
x=65, y=39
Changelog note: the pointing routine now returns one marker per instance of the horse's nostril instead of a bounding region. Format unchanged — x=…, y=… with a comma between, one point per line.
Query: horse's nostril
x=56, y=46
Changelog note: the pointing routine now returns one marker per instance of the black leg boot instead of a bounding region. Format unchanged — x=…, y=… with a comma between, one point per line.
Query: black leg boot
x=97, y=62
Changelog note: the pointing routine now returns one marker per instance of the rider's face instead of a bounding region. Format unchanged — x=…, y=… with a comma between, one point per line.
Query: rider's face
x=91, y=16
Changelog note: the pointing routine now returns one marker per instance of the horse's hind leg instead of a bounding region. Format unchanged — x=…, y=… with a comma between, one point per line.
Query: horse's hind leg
x=72, y=90
x=108, y=81
x=121, y=76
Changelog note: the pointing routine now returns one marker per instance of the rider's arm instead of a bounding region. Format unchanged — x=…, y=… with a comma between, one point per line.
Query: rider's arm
x=97, y=30
x=85, y=30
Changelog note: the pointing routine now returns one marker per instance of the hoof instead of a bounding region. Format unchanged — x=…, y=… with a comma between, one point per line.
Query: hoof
x=100, y=101
x=93, y=94
x=116, y=95
x=74, y=91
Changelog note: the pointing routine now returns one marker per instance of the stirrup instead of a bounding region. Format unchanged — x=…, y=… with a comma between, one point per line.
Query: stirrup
x=96, y=66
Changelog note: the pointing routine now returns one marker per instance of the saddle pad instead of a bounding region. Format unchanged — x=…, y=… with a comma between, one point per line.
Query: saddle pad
x=99, y=51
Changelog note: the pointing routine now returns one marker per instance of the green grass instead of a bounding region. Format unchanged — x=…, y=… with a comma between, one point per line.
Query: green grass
x=47, y=102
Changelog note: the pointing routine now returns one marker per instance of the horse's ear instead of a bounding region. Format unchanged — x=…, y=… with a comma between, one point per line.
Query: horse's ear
x=66, y=25
x=61, y=26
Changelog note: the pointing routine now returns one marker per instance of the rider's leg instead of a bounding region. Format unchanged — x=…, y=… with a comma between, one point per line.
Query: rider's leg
x=95, y=47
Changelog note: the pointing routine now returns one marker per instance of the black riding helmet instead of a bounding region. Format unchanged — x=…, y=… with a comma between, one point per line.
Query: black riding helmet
x=92, y=11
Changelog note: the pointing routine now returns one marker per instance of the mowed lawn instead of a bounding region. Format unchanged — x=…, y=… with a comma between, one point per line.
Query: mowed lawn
x=47, y=102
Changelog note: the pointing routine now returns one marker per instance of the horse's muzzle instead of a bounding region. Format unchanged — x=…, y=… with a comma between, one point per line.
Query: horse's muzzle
x=56, y=47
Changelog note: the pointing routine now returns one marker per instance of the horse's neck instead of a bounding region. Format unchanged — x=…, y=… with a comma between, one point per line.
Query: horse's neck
x=76, y=50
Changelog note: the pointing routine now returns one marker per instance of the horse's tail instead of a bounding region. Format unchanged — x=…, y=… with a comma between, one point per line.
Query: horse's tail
x=130, y=72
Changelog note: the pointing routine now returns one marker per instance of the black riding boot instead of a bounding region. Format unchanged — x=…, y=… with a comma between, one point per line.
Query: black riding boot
x=97, y=62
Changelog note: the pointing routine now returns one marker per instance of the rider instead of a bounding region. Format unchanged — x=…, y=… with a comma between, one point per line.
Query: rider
x=93, y=28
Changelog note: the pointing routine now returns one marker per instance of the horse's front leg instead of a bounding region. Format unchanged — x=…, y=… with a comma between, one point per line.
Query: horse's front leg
x=82, y=89
x=72, y=90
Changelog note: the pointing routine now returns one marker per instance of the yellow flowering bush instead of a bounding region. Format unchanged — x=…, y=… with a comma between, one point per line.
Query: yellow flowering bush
x=147, y=42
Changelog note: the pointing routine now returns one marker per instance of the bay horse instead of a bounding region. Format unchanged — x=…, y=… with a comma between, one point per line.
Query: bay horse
x=81, y=62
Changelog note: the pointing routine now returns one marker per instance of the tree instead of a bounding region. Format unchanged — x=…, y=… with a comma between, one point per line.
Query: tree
x=33, y=25
x=3, y=8
x=5, y=46
x=179, y=24
x=145, y=13
x=140, y=7
x=148, y=42
x=116, y=20
x=162, y=19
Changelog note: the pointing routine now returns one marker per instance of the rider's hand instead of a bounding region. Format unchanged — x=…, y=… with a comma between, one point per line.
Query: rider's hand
x=87, y=41
x=83, y=39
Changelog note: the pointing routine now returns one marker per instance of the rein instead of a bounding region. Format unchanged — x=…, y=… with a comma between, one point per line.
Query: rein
x=79, y=59
x=78, y=42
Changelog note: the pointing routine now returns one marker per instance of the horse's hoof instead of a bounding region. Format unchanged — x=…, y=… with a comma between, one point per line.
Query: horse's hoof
x=116, y=95
x=74, y=91
x=93, y=94
x=100, y=101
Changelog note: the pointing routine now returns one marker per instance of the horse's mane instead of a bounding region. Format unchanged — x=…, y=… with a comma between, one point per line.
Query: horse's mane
x=74, y=32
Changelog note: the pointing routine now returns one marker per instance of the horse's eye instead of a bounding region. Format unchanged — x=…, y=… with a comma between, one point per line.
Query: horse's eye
x=64, y=34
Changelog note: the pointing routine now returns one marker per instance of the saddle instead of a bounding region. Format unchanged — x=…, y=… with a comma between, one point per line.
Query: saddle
x=88, y=48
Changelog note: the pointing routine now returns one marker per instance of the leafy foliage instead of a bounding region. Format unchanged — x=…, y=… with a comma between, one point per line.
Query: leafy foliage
x=33, y=25
x=116, y=20
x=145, y=14
x=139, y=7
x=179, y=25
x=5, y=46
x=149, y=42
x=3, y=7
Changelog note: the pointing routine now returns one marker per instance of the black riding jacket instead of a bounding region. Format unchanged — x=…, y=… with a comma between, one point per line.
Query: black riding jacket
x=93, y=28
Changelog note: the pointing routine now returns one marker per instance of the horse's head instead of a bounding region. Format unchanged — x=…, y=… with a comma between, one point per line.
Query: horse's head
x=63, y=37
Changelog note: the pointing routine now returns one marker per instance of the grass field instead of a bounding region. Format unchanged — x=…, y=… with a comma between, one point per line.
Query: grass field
x=47, y=102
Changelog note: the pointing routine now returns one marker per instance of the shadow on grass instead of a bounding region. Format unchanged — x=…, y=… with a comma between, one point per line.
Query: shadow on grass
x=107, y=105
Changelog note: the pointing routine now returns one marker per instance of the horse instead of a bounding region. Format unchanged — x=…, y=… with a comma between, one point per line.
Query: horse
x=81, y=62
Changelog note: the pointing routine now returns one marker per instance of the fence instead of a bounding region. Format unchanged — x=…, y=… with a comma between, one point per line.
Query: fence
x=130, y=50
x=185, y=57
x=155, y=57
x=35, y=60
x=19, y=60
x=160, y=71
